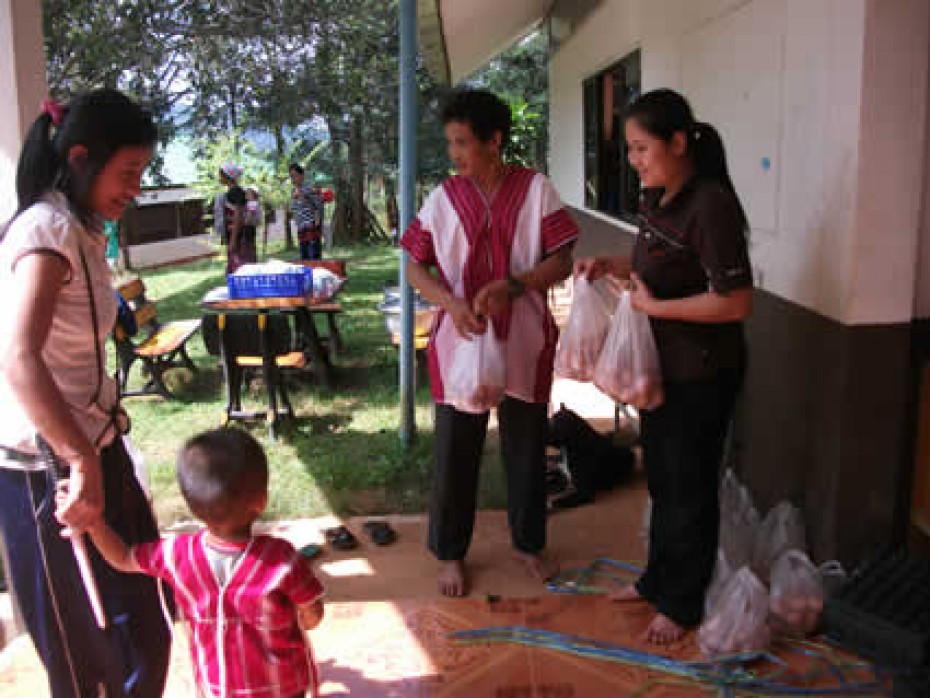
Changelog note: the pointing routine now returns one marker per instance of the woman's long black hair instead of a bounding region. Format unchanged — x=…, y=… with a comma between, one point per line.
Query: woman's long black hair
x=663, y=113
x=103, y=121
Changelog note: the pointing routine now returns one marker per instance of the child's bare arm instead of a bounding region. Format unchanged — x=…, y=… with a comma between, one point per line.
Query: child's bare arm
x=309, y=615
x=113, y=549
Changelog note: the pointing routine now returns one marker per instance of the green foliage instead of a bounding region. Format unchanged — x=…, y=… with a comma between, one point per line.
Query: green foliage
x=285, y=68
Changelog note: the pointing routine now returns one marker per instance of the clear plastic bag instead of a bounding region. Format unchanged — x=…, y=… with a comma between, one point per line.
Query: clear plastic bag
x=476, y=377
x=739, y=522
x=738, y=621
x=796, y=602
x=833, y=577
x=782, y=529
x=584, y=334
x=722, y=573
x=628, y=368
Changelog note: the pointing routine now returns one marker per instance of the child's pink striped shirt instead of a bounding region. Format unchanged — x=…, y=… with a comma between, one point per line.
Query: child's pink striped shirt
x=245, y=638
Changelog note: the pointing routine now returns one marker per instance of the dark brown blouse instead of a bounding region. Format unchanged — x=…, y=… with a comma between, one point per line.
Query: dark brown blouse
x=693, y=242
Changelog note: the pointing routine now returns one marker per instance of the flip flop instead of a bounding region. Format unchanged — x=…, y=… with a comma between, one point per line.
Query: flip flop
x=380, y=532
x=310, y=550
x=340, y=538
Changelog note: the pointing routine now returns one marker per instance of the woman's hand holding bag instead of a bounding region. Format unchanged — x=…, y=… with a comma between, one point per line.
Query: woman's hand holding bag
x=628, y=369
x=583, y=339
x=476, y=377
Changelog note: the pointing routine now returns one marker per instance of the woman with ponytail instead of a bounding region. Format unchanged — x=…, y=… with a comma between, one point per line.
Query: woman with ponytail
x=63, y=464
x=690, y=274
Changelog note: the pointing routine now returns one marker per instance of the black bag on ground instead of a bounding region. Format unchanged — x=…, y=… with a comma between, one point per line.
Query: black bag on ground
x=595, y=462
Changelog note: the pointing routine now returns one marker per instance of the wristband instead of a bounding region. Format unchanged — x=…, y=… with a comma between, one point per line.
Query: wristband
x=515, y=287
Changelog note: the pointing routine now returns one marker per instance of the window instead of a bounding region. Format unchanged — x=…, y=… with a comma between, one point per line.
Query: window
x=611, y=185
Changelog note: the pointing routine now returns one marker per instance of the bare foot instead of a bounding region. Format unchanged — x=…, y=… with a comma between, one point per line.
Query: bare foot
x=663, y=631
x=538, y=566
x=452, y=578
x=628, y=592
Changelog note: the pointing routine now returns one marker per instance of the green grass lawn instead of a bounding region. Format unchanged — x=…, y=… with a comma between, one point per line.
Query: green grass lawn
x=343, y=454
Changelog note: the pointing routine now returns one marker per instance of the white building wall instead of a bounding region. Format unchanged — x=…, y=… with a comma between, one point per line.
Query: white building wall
x=822, y=106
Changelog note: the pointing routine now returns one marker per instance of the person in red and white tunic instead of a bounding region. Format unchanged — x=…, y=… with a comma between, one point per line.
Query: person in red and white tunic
x=498, y=237
x=247, y=598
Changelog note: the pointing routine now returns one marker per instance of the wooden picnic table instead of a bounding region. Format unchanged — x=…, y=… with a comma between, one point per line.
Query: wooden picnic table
x=303, y=310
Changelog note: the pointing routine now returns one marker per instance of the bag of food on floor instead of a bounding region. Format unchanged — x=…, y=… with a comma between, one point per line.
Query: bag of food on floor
x=628, y=368
x=833, y=576
x=738, y=533
x=738, y=623
x=722, y=573
x=476, y=377
x=796, y=598
x=583, y=337
x=782, y=529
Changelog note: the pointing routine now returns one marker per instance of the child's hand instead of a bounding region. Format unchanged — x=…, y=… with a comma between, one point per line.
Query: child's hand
x=309, y=615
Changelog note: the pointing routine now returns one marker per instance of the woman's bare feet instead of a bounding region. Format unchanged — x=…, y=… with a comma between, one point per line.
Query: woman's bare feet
x=452, y=578
x=663, y=631
x=538, y=566
x=628, y=592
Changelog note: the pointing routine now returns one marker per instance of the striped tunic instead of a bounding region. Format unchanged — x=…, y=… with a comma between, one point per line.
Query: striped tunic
x=471, y=242
x=245, y=639
x=308, y=213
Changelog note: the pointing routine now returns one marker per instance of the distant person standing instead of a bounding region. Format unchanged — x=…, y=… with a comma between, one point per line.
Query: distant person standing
x=307, y=207
x=252, y=217
x=233, y=214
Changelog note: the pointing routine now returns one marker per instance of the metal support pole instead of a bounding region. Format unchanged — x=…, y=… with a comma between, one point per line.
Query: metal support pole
x=408, y=176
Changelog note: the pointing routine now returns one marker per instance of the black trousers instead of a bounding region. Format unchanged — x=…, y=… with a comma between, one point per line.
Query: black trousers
x=459, y=441
x=130, y=657
x=682, y=449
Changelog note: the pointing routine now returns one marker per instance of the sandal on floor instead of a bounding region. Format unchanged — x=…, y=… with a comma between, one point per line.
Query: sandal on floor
x=310, y=550
x=340, y=538
x=380, y=532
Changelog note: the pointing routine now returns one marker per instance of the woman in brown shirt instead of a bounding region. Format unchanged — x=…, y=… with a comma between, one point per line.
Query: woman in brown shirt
x=690, y=274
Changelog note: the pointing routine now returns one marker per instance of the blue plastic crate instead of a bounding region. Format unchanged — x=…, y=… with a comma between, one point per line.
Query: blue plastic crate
x=293, y=284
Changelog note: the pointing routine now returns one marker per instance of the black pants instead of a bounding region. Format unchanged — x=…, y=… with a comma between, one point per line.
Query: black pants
x=311, y=250
x=682, y=449
x=459, y=441
x=130, y=657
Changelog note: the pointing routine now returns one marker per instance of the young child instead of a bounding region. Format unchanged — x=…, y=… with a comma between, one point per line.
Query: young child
x=246, y=597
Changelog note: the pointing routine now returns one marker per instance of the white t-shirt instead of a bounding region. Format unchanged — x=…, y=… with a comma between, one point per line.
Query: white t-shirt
x=70, y=351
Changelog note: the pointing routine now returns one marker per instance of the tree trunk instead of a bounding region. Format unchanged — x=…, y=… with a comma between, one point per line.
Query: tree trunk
x=390, y=208
x=340, y=185
x=357, y=179
x=279, y=149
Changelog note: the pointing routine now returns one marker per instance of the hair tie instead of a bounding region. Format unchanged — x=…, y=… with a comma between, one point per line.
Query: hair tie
x=55, y=110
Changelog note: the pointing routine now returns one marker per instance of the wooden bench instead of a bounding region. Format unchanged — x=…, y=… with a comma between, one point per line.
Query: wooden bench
x=163, y=345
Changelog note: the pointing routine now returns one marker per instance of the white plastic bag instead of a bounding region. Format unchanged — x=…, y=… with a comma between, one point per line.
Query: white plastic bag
x=476, y=377
x=739, y=522
x=796, y=601
x=628, y=368
x=722, y=573
x=737, y=623
x=738, y=532
x=833, y=577
x=583, y=338
x=782, y=529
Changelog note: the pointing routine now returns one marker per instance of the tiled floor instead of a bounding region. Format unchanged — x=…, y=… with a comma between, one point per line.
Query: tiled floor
x=386, y=628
